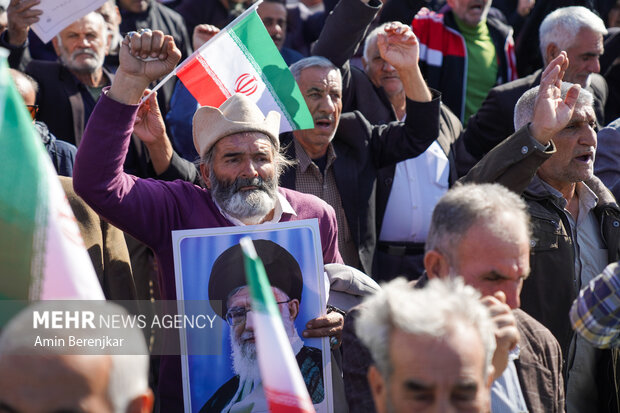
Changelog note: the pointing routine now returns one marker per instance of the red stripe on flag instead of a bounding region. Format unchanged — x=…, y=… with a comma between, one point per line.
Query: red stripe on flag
x=280, y=402
x=207, y=90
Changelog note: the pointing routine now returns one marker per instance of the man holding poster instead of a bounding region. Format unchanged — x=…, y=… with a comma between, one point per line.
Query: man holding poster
x=241, y=164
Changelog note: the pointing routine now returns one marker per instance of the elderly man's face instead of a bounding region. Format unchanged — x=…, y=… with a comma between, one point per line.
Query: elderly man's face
x=583, y=56
x=273, y=16
x=434, y=375
x=40, y=384
x=471, y=12
x=322, y=90
x=381, y=73
x=491, y=263
x=486, y=260
x=242, y=335
x=83, y=44
x=575, y=150
x=243, y=177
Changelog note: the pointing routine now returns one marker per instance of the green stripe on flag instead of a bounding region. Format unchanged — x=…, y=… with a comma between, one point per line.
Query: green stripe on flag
x=255, y=42
x=260, y=289
x=23, y=194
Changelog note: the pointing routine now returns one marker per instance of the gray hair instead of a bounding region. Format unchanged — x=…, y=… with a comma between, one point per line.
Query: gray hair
x=524, y=109
x=433, y=311
x=371, y=39
x=128, y=373
x=562, y=26
x=312, y=61
x=486, y=205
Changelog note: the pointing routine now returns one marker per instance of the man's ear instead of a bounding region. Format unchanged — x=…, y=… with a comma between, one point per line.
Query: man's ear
x=293, y=308
x=436, y=264
x=204, y=172
x=551, y=52
x=378, y=388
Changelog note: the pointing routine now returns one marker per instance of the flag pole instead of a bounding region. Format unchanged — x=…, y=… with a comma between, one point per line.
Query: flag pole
x=190, y=57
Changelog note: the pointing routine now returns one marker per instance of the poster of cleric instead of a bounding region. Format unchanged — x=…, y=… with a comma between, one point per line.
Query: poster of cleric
x=209, y=266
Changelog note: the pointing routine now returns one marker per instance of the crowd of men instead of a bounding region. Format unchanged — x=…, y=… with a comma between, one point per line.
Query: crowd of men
x=477, y=180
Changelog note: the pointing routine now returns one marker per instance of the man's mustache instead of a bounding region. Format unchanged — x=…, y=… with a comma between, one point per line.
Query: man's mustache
x=86, y=50
x=257, y=182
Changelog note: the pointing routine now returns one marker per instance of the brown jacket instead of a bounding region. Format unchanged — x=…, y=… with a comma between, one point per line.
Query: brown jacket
x=552, y=286
x=106, y=247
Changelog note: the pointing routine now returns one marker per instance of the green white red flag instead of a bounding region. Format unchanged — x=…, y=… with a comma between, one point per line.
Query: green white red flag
x=242, y=58
x=42, y=254
x=284, y=386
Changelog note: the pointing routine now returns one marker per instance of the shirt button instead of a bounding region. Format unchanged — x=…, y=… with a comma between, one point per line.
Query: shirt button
x=532, y=243
x=616, y=224
x=524, y=150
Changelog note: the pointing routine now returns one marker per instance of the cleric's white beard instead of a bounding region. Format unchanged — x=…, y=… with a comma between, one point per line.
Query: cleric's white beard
x=245, y=363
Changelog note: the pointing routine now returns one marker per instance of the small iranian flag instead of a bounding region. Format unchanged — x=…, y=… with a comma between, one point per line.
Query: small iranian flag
x=284, y=386
x=42, y=254
x=242, y=58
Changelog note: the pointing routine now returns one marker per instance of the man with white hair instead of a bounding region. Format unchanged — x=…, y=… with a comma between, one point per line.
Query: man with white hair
x=576, y=30
x=55, y=378
x=70, y=87
x=339, y=158
x=241, y=163
x=482, y=234
x=432, y=347
x=406, y=192
x=576, y=221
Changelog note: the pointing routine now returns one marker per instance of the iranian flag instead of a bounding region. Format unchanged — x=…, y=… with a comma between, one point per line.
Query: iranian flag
x=42, y=254
x=242, y=58
x=284, y=386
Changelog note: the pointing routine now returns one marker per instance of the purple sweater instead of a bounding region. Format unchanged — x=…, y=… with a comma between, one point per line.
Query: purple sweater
x=150, y=209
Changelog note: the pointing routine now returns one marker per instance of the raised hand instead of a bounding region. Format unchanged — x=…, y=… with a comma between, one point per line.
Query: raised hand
x=551, y=112
x=149, y=55
x=399, y=46
x=20, y=16
x=202, y=34
x=149, y=124
x=144, y=58
x=149, y=127
x=506, y=332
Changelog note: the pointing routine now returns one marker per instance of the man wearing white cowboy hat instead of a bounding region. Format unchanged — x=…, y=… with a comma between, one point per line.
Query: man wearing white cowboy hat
x=241, y=163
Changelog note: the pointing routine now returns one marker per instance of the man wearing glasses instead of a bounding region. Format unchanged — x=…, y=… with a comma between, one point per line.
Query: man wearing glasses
x=227, y=283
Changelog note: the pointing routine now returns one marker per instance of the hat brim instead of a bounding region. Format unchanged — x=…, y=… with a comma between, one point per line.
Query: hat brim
x=210, y=125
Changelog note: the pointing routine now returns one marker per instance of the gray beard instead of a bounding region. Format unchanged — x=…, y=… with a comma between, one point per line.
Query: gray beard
x=249, y=206
x=88, y=68
x=245, y=363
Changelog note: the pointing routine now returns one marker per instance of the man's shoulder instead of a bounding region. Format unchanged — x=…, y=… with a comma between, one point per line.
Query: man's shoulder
x=496, y=24
x=37, y=68
x=537, y=336
x=598, y=86
x=517, y=87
